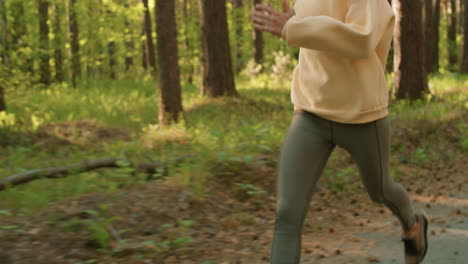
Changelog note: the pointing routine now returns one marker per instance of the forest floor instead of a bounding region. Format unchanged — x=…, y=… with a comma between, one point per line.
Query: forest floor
x=229, y=229
x=220, y=209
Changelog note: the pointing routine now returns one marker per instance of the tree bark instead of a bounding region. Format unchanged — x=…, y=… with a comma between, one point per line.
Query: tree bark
x=436, y=37
x=112, y=62
x=170, y=95
x=258, y=42
x=452, y=35
x=43, y=10
x=58, y=55
x=128, y=44
x=238, y=19
x=144, y=56
x=2, y=99
x=428, y=34
x=410, y=76
x=4, y=50
x=217, y=73
x=149, y=54
x=188, y=48
x=75, y=44
x=464, y=60
x=4, y=32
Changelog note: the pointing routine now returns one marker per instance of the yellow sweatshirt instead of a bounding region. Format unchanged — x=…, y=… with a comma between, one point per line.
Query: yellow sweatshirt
x=344, y=46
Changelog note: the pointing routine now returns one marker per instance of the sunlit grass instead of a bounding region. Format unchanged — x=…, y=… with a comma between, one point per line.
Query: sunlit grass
x=226, y=130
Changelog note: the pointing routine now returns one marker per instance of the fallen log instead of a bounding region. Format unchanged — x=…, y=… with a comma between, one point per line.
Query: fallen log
x=87, y=165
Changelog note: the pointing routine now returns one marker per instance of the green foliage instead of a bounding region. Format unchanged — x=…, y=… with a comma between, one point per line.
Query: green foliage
x=98, y=226
x=249, y=189
x=339, y=181
x=176, y=237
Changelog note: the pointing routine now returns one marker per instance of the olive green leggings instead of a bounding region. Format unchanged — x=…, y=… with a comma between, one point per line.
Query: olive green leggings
x=308, y=144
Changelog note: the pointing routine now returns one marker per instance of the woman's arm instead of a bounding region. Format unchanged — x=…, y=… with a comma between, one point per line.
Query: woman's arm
x=356, y=37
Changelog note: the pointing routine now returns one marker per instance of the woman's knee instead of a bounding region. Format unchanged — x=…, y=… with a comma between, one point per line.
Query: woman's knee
x=382, y=193
x=289, y=215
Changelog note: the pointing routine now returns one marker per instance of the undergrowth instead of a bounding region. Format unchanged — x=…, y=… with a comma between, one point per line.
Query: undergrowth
x=225, y=134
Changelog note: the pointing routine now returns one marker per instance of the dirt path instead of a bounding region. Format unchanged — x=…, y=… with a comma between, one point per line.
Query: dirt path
x=380, y=242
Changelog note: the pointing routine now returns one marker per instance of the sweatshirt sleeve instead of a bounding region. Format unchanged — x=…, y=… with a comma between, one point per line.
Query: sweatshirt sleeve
x=357, y=36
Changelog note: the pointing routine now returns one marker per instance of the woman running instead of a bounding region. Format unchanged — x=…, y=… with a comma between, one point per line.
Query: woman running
x=340, y=97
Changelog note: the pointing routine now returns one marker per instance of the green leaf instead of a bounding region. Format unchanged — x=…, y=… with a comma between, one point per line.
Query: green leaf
x=5, y=212
x=9, y=227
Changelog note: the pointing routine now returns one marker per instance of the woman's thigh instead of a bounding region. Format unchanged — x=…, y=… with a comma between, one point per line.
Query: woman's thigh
x=303, y=156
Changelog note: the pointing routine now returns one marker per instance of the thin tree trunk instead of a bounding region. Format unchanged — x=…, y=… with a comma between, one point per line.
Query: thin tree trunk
x=91, y=32
x=436, y=37
x=428, y=34
x=4, y=50
x=464, y=60
x=217, y=74
x=129, y=58
x=4, y=32
x=170, y=95
x=188, y=48
x=112, y=62
x=43, y=10
x=58, y=56
x=258, y=42
x=128, y=44
x=144, y=56
x=238, y=14
x=2, y=99
x=410, y=76
x=452, y=34
x=75, y=44
x=150, y=50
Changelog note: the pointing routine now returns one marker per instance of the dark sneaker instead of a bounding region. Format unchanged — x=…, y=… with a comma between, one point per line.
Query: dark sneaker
x=416, y=247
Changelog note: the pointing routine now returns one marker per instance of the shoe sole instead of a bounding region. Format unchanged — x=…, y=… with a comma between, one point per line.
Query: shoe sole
x=426, y=224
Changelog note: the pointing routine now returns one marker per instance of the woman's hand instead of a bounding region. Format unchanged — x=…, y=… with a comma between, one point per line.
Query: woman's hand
x=270, y=20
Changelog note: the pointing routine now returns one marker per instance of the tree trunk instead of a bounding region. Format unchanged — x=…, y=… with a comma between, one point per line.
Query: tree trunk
x=112, y=62
x=4, y=32
x=149, y=45
x=91, y=32
x=2, y=99
x=464, y=60
x=18, y=35
x=43, y=10
x=3, y=54
x=144, y=56
x=452, y=34
x=436, y=37
x=188, y=48
x=258, y=42
x=217, y=74
x=428, y=34
x=238, y=22
x=410, y=75
x=58, y=56
x=170, y=96
x=128, y=44
x=75, y=44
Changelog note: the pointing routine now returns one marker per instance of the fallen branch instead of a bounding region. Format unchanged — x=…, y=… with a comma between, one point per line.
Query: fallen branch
x=60, y=172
